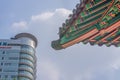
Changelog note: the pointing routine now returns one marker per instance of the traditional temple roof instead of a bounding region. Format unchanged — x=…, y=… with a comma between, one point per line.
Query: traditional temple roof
x=94, y=22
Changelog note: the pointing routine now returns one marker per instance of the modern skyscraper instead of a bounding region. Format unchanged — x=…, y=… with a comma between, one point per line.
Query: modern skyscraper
x=17, y=57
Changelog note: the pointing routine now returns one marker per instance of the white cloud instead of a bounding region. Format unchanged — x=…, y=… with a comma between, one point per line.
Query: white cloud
x=22, y=25
x=46, y=16
x=62, y=12
x=42, y=20
x=42, y=17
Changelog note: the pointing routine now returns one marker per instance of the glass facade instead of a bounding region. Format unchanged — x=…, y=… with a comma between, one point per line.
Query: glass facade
x=17, y=58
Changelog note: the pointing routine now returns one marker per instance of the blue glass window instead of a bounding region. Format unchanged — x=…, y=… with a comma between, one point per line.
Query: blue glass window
x=28, y=48
x=4, y=43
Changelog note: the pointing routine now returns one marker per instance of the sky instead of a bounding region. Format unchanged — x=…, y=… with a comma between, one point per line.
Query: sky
x=42, y=18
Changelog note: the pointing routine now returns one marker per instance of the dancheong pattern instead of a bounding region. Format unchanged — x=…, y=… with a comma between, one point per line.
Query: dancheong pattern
x=93, y=21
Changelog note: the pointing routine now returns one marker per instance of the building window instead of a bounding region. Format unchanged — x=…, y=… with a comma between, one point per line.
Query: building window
x=4, y=43
x=1, y=64
x=7, y=64
x=6, y=76
x=10, y=64
x=13, y=76
x=28, y=48
x=3, y=52
x=0, y=70
x=13, y=58
x=10, y=70
x=2, y=58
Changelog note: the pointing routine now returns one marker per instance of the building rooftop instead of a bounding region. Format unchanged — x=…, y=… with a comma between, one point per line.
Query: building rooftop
x=27, y=35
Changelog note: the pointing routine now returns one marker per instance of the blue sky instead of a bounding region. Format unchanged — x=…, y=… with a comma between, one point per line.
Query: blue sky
x=43, y=18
